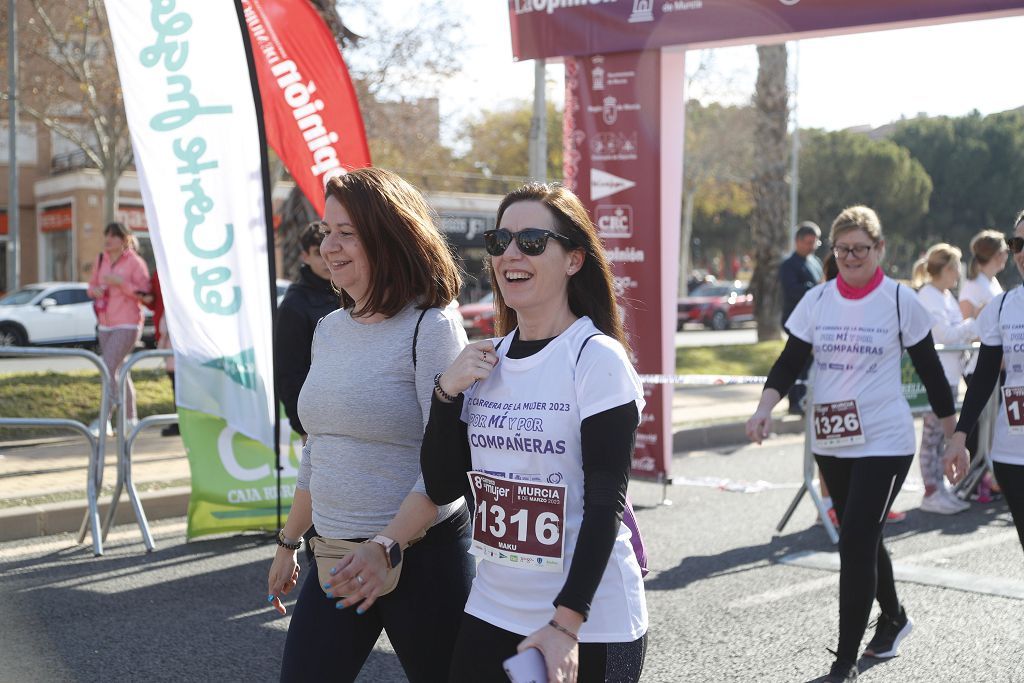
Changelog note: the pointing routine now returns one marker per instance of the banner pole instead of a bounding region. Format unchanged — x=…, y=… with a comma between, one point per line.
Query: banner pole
x=268, y=215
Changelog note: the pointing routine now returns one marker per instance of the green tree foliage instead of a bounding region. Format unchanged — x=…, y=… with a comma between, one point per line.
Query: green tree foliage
x=840, y=169
x=977, y=168
x=717, y=169
x=499, y=146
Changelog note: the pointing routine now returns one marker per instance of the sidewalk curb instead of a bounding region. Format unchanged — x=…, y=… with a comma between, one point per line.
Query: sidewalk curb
x=54, y=518
x=728, y=434
x=32, y=521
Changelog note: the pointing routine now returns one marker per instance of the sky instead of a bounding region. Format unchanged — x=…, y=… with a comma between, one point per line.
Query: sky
x=855, y=80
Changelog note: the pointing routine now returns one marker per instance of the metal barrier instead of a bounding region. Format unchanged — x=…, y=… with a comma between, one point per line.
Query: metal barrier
x=978, y=467
x=125, y=443
x=97, y=443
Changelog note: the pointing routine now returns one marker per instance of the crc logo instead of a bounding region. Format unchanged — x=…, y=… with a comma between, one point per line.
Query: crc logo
x=614, y=221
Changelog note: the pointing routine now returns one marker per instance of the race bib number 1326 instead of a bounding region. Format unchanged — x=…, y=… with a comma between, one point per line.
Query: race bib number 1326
x=518, y=523
x=837, y=424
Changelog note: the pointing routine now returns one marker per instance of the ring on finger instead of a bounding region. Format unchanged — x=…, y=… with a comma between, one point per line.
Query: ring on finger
x=360, y=580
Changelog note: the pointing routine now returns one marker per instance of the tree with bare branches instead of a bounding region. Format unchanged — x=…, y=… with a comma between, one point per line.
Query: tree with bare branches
x=74, y=89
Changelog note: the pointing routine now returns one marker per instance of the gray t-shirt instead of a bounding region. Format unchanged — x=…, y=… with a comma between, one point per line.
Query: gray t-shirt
x=364, y=407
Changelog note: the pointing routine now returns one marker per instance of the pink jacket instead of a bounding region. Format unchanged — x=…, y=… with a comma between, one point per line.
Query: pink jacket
x=122, y=302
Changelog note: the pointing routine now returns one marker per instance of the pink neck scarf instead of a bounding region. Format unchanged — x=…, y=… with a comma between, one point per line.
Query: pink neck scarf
x=850, y=292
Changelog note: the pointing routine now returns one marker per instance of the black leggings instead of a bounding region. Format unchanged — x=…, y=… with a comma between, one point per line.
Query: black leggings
x=421, y=616
x=863, y=489
x=482, y=647
x=1011, y=481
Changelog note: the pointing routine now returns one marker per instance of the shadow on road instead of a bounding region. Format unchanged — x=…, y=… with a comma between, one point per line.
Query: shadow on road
x=188, y=611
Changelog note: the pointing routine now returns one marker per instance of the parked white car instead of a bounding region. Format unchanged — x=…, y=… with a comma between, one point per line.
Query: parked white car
x=47, y=313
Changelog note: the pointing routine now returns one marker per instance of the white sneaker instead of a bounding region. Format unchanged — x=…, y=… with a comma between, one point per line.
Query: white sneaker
x=939, y=504
x=960, y=504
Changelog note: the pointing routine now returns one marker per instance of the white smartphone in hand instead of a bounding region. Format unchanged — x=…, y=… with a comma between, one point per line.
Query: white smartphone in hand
x=526, y=667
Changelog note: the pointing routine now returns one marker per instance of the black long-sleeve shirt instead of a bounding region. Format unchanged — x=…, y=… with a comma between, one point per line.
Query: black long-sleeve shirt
x=307, y=300
x=983, y=381
x=796, y=353
x=607, y=441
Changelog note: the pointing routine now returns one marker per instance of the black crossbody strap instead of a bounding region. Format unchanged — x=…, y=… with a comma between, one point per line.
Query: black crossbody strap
x=899, y=322
x=416, y=334
x=584, y=345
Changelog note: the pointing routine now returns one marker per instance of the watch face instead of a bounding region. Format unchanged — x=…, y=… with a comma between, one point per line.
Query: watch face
x=394, y=555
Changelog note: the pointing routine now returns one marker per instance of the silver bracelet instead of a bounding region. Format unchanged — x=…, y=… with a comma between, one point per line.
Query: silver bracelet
x=558, y=627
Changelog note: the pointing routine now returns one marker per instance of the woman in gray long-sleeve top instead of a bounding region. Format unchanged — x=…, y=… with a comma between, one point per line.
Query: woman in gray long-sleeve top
x=364, y=404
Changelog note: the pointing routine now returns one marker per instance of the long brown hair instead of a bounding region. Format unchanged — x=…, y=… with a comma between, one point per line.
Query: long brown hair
x=985, y=246
x=409, y=258
x=591, y=289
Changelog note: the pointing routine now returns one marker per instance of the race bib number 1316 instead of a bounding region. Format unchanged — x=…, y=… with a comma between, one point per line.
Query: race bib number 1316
x=518, y=523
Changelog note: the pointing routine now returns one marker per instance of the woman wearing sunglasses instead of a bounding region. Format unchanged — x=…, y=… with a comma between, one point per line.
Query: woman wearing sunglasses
x=1002, y=343
x=386, y=556
x=544, y=421
x=857, y=326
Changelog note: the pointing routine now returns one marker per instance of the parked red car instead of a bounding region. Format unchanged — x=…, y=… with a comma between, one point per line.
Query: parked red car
x=716, y=306
x=478, y=317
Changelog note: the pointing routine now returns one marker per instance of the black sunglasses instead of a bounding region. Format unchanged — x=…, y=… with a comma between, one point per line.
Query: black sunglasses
x=531, y=241
x=1015, y=244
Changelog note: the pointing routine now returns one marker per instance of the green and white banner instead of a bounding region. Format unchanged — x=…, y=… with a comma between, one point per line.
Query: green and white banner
x=192, y=113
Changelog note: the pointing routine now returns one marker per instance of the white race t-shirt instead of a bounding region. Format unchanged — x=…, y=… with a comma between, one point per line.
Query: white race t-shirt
x=857, y=357
x=979, y=291
x=948, y=327
x=524, y=425
x=1006, y=328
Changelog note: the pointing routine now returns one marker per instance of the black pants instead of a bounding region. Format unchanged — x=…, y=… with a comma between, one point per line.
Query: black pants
x=482, y=647
x=863, y=490
x=798, y=391
x=1011, y=481
x=421, y=616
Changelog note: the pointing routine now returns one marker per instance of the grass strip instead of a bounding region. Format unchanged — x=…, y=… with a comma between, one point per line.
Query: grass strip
x=72, y=395
x=736, y=359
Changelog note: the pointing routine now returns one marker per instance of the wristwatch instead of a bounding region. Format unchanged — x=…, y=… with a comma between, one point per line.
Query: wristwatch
x=392, y=551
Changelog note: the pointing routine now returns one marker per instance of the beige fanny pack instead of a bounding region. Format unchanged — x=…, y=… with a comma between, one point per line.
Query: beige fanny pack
x=330, y=551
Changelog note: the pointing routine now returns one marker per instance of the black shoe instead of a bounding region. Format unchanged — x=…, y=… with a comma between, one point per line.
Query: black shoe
x=841, y=672
x=170, y=430
x=889, y=633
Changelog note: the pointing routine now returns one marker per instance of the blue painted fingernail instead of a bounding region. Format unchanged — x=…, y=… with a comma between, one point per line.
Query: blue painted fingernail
x=340, y=605
x=330, y=594
x=360, y=610
x=334, y=570
x=327, y=586
x=270, y=598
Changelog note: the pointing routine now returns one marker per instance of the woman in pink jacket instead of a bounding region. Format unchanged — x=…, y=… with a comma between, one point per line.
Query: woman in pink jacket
x=119, y=278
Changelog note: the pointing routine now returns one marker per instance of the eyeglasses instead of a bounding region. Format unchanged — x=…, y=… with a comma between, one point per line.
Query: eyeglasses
x=859, y=251
x=531, y=241
x=1015, y=244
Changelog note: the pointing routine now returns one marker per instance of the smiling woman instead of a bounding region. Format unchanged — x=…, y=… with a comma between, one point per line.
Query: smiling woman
x=544, y=420
x=382, y=548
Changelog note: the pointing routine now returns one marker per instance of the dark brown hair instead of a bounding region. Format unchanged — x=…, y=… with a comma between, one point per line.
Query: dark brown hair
x=311, y=236
x=591, y=289
x=409, y=258
x=122, y=231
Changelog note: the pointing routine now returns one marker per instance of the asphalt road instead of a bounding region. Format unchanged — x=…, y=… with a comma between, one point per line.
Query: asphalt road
x=729, y=599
